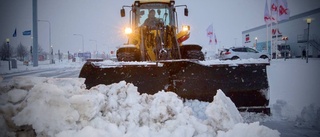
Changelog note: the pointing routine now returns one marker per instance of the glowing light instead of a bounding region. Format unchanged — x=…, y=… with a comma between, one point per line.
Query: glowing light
x=185, y=28
x=309, y=20
x=128, y=31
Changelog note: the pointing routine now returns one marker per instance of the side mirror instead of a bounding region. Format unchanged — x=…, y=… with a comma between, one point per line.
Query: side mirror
x=186, y=12
x=159, y=12
x=123, y=13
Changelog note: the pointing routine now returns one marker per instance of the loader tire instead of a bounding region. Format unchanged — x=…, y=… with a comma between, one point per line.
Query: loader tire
x=126, y=56
x=195, y=54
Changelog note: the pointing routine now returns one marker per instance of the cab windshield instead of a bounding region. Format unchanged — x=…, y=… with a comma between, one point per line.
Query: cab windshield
x=162, y=13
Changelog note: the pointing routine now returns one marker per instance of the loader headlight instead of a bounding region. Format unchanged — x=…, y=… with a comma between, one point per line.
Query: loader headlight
x=185, y=28
x=128, y=30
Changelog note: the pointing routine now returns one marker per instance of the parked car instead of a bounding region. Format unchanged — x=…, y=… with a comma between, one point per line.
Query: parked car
x=284, y=51
x=242, y=53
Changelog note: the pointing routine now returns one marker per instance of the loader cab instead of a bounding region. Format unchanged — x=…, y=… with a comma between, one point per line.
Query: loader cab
x=162, y=14
x=165, y=12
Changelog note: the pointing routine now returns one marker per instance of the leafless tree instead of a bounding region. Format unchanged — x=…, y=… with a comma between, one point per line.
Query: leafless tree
x=22, y=52
x=40, y=49
x=6, y=51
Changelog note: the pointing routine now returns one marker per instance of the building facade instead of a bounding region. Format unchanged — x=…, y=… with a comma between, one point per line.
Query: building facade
x=295, y=29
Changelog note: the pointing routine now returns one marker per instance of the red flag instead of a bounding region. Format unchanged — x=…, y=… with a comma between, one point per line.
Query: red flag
x=210, y=31
x=266, y=14
x=211, y=35
x=284, y=12
x=215, y=39
x=274, y=10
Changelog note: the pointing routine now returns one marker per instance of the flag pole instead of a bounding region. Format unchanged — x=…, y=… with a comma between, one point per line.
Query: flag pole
x=267, y=38
x=277, y=30
x=267, y=19
x=271, y=38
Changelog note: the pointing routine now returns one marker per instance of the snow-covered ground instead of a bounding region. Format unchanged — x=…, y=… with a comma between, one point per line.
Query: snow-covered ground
x=4, y=65
x=64, y=108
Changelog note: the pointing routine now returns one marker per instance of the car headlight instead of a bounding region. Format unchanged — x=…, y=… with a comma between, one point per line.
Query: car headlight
x=128, y=31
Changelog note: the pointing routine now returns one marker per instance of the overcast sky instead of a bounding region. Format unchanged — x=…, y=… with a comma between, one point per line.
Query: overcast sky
x=100, y=23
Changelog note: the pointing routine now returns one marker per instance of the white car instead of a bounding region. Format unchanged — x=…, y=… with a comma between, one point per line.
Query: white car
x=242, y=53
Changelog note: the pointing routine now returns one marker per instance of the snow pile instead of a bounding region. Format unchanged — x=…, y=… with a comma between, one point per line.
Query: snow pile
x=282, y=110
x=47, y=110
x=310, y=117
x=234, y=62
x=223, y=113
x=198, y=108
x=64, y=108
x=16, y=95
x=294, y=85
x=249, y=130
x=110, y=63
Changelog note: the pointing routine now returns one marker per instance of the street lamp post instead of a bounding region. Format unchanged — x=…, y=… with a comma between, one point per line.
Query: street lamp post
x=255, y=46
x=307, y=48
x=82, y=44
x=51, y=50
x=107, y=49
x=82, y=40
x=7, y=41
x=96, y=53
x=50, y=44
x=285, y=46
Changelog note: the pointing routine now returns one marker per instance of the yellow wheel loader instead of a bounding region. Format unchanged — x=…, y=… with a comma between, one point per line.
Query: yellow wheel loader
x=155, y=58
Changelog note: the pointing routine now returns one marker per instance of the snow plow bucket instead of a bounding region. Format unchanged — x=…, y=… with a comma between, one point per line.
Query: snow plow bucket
x=246, y=84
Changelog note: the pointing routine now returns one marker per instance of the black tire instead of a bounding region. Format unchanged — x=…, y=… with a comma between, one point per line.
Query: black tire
x=234, y=58
x=194, y=54
x=264, y=57
x=126, y=56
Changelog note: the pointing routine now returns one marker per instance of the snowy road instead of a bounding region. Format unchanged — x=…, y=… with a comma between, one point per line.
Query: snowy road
x=290, y=129
x=49, y=72
x=54, y=73
x=62, y=73
x=64, y=69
